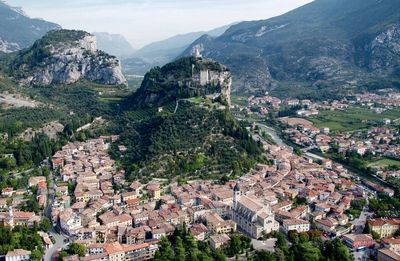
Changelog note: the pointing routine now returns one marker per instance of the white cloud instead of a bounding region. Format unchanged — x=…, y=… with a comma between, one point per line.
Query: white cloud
x=145, y=21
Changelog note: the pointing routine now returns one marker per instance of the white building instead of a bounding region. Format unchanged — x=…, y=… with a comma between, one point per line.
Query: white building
x=298, y=225
x=70, y=222
x=251, y=215
x=18, y=255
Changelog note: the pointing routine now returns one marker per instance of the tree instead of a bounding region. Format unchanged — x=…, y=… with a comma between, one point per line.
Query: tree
x=192, y=248
x=45, y=224
x=219, y=256
x=36, y=255
x=328, y=249
x=31, y=205
x=166, y=252
x=62, y=255
x=281, y=243
x=375, y=235
x=367, y=229
x=235, y=245
x=179, y=250
x=303, y=237
x=8, y=163
x=77, y=249
x=307, y=251
x=264, y=256
x=279, y=255
x=293, y=236
x=341, y=252
x=397, y=233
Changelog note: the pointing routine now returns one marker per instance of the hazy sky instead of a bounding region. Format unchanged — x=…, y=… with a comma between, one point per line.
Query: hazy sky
x=145, y=21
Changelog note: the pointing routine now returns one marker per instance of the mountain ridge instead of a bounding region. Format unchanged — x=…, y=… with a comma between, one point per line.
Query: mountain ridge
x=162, y=52
x=18, y=31
x=114, y=44
x=313, y=46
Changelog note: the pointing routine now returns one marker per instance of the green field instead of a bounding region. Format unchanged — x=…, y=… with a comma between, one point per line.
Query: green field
x=351, y=119
x=239, y=100
x=382, y=163
x=199, y=99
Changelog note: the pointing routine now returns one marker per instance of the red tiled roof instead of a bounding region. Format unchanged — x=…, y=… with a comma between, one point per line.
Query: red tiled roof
x=381, y=222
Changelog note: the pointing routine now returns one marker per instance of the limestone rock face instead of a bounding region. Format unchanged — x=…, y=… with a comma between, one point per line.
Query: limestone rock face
x=8, y=47
x=65, y=57
x=385, y=48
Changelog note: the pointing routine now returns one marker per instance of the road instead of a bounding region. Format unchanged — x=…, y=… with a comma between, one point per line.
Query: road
x=362, y=255
x=359, y=222
x=57, y=245
x=59, y=238
x=17, y=175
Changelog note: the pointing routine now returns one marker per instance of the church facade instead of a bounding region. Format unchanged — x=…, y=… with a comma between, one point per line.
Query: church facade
x=251, y=215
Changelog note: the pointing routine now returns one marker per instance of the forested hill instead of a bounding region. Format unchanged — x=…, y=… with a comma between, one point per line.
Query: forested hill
x=328, y=46
x=179, y=124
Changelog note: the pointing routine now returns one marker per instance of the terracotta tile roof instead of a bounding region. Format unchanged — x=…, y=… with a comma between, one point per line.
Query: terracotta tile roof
x=392, y=241
x=18, y=252
x=358, y=237
x=389, y=253
x=381, y=222
x=197, y=229
x=23, y=214
x=113, y=248
x=127, y=248
x=293, y=221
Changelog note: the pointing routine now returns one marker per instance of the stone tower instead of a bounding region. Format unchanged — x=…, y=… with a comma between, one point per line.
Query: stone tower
x=236, y=194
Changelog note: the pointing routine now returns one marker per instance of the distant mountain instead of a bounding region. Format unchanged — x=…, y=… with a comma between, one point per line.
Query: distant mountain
x=163, y=52
x=18, y=31
x=326, y=45
x=65, y=57
x=114, y=44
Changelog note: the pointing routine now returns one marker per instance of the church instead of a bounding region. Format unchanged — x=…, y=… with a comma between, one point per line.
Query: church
x=251, y=215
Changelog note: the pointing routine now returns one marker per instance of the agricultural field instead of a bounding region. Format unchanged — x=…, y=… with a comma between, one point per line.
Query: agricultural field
x=353, y=118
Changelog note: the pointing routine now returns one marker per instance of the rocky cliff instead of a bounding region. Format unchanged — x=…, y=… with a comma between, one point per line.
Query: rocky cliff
x=185, y=78
x=385, y=49
x=65, y=57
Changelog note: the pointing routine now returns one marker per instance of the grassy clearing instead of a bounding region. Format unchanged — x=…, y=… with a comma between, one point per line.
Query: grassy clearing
x=199, y=100
x=351, y=119
x=110, y=99
x=239, y=100
x=382, y=163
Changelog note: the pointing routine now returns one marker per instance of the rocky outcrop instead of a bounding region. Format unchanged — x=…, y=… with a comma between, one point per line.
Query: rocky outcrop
x=8, y=47
x=185, y=78
x=385, y=49
x=65, y=57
